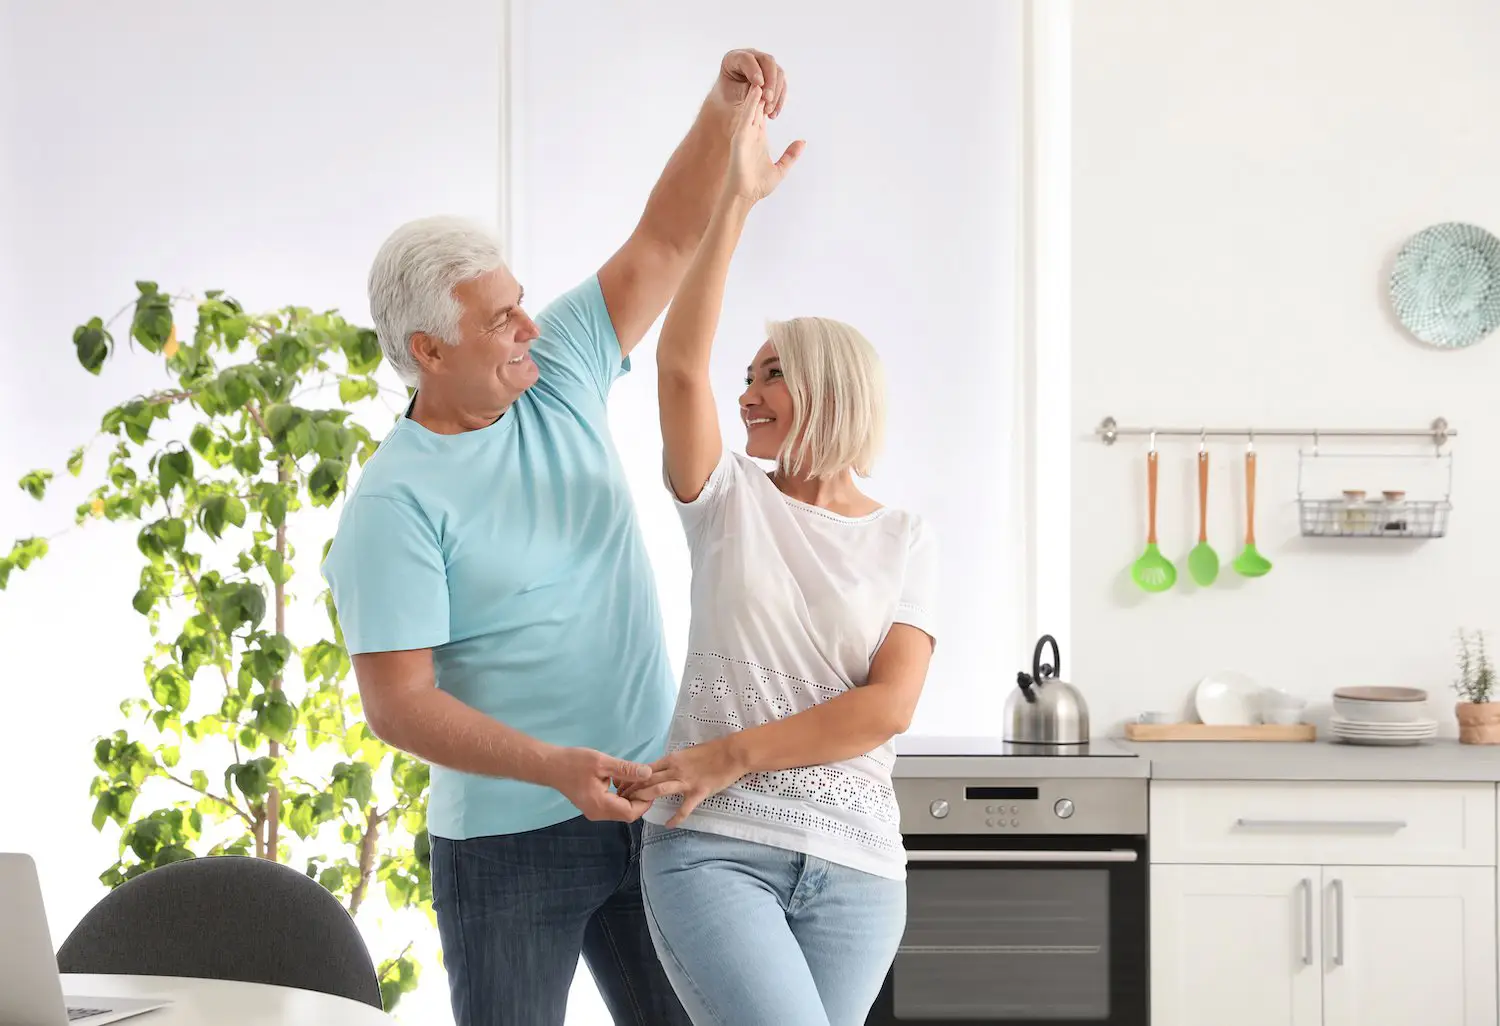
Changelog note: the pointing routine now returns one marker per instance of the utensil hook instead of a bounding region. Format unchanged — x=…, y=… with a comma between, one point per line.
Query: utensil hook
x=1153, y=440
x=1250, y=444
x=1315, y=442
x=1202, y=441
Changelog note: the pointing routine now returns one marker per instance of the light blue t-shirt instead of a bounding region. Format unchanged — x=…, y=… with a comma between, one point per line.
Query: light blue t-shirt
x=514, y=553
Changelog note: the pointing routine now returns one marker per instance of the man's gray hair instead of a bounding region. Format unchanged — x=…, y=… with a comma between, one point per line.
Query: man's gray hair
x=413, y=278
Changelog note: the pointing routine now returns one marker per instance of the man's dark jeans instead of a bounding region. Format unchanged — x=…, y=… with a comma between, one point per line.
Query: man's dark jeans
x=515, y=911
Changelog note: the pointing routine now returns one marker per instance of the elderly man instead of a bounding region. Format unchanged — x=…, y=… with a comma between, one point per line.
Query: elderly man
x=494, y=592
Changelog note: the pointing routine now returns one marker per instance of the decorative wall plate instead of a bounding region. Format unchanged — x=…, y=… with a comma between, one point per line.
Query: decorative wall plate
x=1445, y=287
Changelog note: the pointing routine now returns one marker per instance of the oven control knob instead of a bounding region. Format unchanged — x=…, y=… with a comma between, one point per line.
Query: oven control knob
x=939, y=809
x=1063, y=808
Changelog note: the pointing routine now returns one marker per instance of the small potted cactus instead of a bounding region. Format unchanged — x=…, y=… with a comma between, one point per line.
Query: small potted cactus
x=1478, y=717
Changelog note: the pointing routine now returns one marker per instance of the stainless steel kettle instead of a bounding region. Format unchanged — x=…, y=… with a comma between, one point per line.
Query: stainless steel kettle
x=1045, y=710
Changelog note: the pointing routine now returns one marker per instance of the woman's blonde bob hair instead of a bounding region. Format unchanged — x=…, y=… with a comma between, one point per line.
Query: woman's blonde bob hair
x=837, y=387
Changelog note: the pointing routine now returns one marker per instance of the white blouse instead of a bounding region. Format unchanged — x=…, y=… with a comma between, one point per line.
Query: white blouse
x=789, y=604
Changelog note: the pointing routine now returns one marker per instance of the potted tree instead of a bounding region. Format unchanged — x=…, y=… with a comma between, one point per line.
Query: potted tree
x=1478, y=717
x=246, y=735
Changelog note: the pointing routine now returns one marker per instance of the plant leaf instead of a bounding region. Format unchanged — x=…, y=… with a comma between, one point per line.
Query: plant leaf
x=34, y=484
x=93, y=344
x=152, y=325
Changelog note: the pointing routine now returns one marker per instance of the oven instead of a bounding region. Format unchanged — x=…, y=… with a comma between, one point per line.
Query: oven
x=1026, y=901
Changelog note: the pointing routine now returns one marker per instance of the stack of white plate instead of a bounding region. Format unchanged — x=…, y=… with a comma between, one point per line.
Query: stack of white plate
x=1381, y=716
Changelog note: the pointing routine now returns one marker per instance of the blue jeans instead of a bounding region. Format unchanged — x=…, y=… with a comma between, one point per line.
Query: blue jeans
x=752, y=935
x=515, y=911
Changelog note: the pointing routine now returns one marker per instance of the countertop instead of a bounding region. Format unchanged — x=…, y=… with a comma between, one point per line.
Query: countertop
x=1441, y=760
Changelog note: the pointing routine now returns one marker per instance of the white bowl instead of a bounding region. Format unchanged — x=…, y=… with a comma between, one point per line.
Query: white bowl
x=1275, y=698
x=1361, y=710
x=1227, y=698
x=1281, y=716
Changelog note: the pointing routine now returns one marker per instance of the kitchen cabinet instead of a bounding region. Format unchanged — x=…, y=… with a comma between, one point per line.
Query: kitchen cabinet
x=1336, y=945
x=1408, y=944
x=1235, y=946
x=1328, y=824
x=1256, y=920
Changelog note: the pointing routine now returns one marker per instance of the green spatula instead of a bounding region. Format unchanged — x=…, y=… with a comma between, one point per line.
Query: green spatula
x=1250, y=563
x=1203, y=561
x=1153, y=571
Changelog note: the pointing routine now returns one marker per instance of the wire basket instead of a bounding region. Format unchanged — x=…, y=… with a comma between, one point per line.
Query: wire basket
x=1375, y=518
x=1335, y=518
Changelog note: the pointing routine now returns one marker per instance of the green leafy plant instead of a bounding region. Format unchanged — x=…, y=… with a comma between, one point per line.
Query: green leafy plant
x=242, y=740
x=1476, y=674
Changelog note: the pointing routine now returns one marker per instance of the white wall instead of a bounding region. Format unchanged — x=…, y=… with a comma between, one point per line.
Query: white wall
x=900, y=218
x=1243, y=175
x=266, y=149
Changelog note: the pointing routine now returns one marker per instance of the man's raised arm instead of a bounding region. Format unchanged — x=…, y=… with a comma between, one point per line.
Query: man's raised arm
x=641, y=278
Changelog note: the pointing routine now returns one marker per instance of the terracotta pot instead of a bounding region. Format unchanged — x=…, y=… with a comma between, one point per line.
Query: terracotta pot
x=1478, y=723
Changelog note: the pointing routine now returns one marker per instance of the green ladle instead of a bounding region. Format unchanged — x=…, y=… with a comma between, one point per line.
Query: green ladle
x=1250, y=563
x=1153, y=571
x=1203, y=561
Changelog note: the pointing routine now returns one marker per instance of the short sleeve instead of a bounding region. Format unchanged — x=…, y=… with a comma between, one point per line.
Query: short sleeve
x=696, y=514
x=578, y=340
x=388, y=577
x=919, y=588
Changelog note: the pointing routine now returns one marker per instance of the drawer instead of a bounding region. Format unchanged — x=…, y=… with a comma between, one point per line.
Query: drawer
x=1347, y=824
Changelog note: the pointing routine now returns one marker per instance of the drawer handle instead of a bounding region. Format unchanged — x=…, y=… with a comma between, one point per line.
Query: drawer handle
x=1372, y=825
x=1116, y=855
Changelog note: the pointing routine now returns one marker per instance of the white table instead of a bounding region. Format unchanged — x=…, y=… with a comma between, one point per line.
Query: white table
x=226, y=1002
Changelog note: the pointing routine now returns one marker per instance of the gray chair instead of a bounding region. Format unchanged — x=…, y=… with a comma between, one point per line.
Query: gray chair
x=225, y=917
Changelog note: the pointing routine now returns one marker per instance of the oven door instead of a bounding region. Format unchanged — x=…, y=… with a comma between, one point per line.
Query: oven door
x=1032, y=931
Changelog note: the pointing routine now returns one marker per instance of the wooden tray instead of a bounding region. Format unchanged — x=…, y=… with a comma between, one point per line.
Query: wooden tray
x=1207, y=732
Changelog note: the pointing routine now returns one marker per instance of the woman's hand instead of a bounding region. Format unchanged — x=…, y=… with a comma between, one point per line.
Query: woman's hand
x=695, y=773
x=752, y=176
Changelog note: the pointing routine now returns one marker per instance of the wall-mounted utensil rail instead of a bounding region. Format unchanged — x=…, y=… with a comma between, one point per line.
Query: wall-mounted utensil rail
x=1438, y=432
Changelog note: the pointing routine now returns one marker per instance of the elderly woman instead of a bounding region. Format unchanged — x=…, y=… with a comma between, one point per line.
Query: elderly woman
x=772, y=859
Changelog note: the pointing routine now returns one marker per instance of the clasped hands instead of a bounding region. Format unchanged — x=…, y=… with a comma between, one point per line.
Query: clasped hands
x=695, y=773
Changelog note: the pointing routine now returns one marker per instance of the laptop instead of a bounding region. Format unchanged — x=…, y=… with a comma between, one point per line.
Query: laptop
x=31, y=991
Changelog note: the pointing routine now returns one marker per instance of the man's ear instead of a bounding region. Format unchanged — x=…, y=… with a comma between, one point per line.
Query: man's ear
x=427, y=351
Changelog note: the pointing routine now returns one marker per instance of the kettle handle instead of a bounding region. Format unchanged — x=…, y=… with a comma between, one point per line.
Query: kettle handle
x=1040, y=670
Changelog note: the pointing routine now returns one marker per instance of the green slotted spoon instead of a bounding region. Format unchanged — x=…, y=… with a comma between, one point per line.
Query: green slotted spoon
x=1250, y=563
x=1203, y=561
x=1153, y=571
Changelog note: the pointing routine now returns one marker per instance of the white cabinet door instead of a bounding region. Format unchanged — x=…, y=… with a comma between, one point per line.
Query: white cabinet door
x=1408, y=944
x=1236, y=946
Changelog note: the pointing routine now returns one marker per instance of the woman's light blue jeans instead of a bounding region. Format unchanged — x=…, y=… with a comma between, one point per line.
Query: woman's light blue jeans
x=751, y=935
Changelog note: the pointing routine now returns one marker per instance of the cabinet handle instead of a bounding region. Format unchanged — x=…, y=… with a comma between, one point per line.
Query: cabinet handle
x=1338, y=922
x=1018, y=855
x=1391, y=825
x=1307, y=914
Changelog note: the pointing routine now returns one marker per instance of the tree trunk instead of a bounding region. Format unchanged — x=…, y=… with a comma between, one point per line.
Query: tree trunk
x=273, y=799
x=367, y=846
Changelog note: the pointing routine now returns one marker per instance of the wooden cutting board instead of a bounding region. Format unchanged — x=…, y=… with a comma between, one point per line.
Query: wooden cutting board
x=1211, y=732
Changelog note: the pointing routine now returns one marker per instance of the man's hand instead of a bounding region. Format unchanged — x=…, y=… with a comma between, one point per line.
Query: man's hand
x=742, y=69
x=695, y=773
x=751, y=175
x=584, y=776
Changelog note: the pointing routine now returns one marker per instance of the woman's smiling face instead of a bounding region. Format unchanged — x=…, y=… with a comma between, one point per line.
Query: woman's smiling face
x=765, y=405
